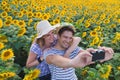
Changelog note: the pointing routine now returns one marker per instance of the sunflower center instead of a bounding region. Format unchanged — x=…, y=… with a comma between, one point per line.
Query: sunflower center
x=6, y=54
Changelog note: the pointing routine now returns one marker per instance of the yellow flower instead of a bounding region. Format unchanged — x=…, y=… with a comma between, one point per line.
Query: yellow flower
x=35, y=73
x=100, y=42
x=84, y=72
x=15, y=13
x=21, y=24
x=4, y=14
x=92, y=44
x=38, y=14
x=27, y=77
x=21, y=32
x=10, y=74
x=106, y=21
x=118, y=68
x=9, y=18
x=8, y=23
x=3, y=38
x=56, y=21
x=4, y=3
x=83, y=34
x=7, y=74
x=93, y=33
x=103, y=16
x=29, y=22
x=7, y=9
x=29, y=14
x=45, y=16
x=1, y=45
x=20, y=14
x=107, y=73
x=97, y=28
x=7, y=54
x=1, y=23
x=87, y=24
x=15, y=22
x=96, y=40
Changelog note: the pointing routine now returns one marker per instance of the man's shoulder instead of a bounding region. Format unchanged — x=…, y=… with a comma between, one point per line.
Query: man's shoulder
x=49, y=50
x=77, y=48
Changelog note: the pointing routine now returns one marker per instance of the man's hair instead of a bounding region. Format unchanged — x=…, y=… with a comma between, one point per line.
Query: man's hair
x=66, y=28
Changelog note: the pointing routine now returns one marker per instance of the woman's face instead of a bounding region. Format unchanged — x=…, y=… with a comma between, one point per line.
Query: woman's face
x=49, y=38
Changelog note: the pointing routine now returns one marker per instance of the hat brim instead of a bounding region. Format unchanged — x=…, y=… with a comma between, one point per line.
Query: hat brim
x=46, y=31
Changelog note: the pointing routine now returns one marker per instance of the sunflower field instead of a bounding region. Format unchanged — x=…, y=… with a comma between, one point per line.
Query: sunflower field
x=97, y=22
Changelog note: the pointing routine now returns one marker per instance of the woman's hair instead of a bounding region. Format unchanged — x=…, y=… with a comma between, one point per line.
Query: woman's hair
x=40, y=41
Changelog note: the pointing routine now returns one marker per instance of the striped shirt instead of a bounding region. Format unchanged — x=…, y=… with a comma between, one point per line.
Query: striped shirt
x=61, y=73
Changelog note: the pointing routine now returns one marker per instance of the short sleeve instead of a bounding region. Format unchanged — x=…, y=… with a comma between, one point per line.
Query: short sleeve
x=47, y=53
x=75, y=52
x=36, y=49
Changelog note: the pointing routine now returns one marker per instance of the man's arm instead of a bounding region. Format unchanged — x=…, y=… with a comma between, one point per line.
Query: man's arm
x=81, y=60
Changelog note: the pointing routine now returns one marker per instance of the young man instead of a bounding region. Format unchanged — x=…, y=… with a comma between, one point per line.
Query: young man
x=62, y=68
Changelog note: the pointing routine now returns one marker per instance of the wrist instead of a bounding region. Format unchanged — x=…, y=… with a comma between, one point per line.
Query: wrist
x=39, y=60
x=71, y=63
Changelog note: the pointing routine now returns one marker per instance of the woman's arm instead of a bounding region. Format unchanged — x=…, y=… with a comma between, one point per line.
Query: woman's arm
x=76, y=41
x=32, y=60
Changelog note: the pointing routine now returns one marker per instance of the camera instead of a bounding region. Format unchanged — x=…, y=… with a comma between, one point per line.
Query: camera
x=98, y=55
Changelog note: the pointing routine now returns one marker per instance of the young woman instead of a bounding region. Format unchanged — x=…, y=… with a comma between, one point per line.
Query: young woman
x=45, y=39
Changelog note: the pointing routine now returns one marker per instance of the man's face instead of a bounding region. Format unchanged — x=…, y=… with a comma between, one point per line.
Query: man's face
x=65, y=39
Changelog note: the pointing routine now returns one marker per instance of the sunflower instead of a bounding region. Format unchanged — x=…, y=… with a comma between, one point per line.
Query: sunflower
x=56, y=21
x=1, y=23
x=20, y=14
x=45, y=16
x=113, y=26
x=83, y=34
x=15, y=13
x=21, y=24
x=3, y=38
x=29, y=14
x=24, y=12
x=21, y=32
x=4, y=3
x=96, y=40
x=84, y=72
x=1, y=45
x=38, y=15
x=8, y=23
x=106, y=21
x=118, y=68
x=29, y=22
x=4, y=14
x=15, y=22
x=27, y=77
x=7, y=54
x=7, y=74
x=10, y=74
x=93, y=33
x=35, y=73
x=87, y=24
x=98, y=28
x=8, y=18
x=107, y=73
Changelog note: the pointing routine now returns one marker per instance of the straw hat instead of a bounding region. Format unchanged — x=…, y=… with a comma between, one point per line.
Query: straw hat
x=44, y=27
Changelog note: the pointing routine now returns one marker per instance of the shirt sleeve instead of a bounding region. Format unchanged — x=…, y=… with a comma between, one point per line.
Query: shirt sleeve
x=35, y=48
x=75, y=52
x=47, y=53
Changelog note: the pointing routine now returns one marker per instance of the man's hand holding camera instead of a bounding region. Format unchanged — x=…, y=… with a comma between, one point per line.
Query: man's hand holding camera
x=101, y=54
